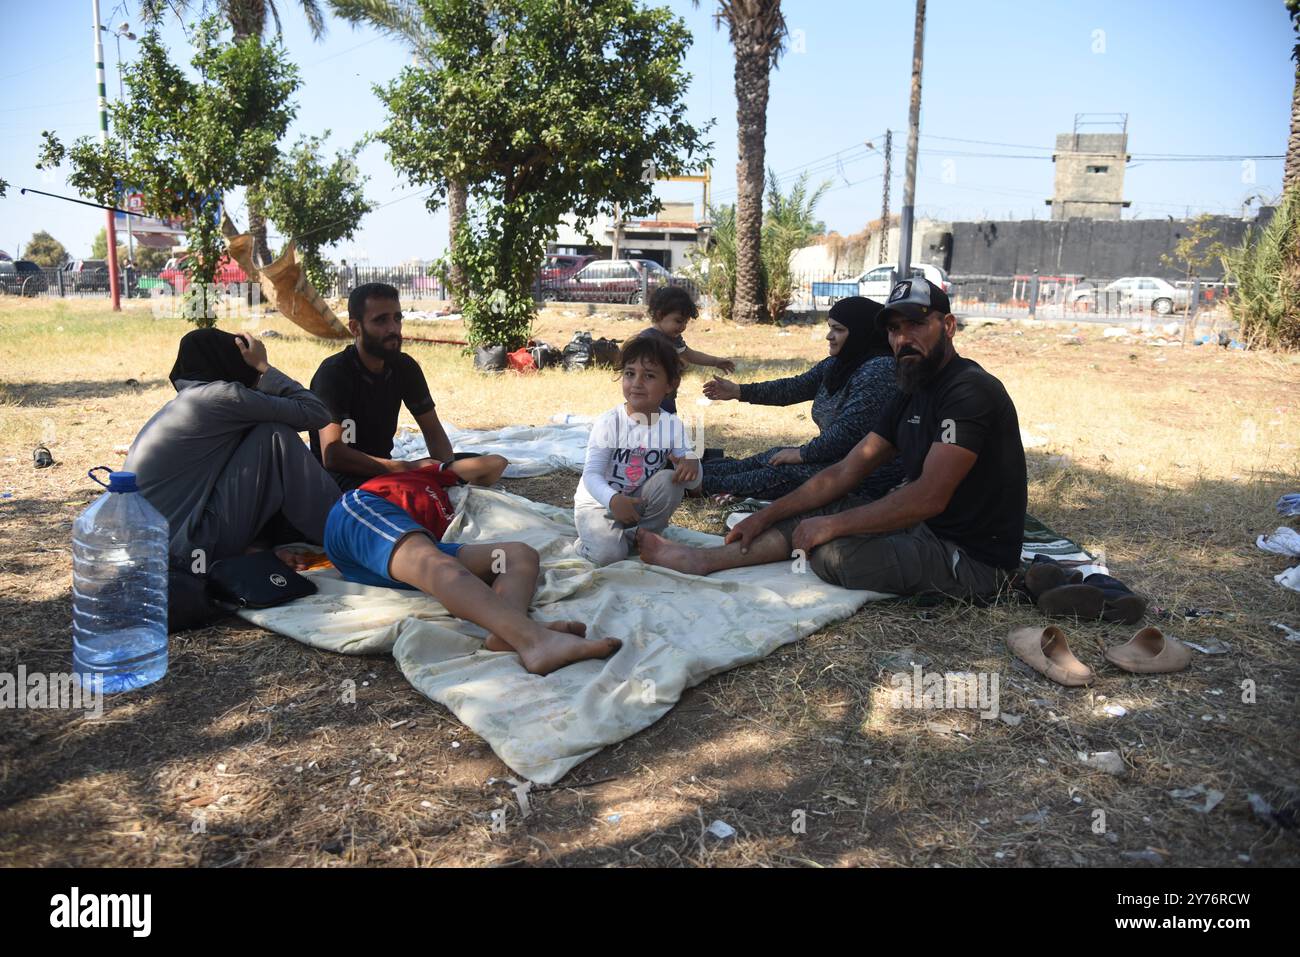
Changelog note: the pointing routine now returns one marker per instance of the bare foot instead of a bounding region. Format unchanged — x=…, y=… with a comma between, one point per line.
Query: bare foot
x=555, y=650
x=493, y=643
x=657, y=550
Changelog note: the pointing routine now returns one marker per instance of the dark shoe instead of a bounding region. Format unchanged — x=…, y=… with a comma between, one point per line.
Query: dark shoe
x=42, y=457
x=1084, y=602
x=1128, y=609
x=1044, y=576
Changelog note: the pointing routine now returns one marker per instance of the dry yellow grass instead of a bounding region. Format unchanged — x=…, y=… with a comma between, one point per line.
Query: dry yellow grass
x=1169, y=459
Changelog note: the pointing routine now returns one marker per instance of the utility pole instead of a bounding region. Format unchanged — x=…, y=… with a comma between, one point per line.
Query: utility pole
x=617, y=248
x=913, y=131
x=884, y=204
x=114, y=286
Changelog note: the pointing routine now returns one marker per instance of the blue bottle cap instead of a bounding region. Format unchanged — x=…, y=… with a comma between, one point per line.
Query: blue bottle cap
x=122, y=482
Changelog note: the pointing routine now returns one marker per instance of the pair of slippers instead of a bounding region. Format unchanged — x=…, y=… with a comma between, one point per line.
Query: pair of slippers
x=1149, y=652
x=1064, y=593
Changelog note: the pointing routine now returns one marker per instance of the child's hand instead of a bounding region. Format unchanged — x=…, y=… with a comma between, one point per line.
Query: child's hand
x=726, y=365
x=627, y=510
x=685, y=469
x=786, y=457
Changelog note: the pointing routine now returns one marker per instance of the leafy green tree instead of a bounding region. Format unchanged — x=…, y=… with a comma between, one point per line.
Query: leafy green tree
x=541, y=109
x=191, y=141
x=247, y=20
x=401, y=19
x=316, y=202
x=99, y=247
x=1266, y=268
x=44, y=250
x=4, y=188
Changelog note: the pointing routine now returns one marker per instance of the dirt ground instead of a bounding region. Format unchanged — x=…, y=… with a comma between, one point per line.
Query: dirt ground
x=1168, y=459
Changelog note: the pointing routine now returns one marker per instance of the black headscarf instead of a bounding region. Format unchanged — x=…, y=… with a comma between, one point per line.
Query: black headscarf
x=210, y=355
x=865, y=341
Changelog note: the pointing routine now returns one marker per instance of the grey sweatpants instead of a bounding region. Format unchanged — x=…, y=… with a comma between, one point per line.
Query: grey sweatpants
x=911, y=561
x=603, y=539
x=270, y=473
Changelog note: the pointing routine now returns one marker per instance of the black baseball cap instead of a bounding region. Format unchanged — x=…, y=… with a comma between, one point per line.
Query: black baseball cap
x=914, y=297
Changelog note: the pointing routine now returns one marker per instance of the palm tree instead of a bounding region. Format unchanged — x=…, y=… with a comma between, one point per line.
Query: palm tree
x=401, y=19
x=757, y=29
x=1291, y=172
x=247, y=18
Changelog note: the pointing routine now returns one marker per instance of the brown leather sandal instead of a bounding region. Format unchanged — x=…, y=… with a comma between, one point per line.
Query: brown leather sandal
x=1047, y=652
x=1150, y=652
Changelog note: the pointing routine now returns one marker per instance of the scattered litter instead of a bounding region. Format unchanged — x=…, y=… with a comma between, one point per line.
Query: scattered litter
x=1285, y=541
x=426, y=804
x=1031, y=441
x=1289, y=578
x=721, y=830
x=1209, y=646
x=1114, y=332
x=355, y=781
x=221, y=767
x=1285, y=816
x=397, y=724
x=1146, y=857
x=1108, y=761
x=1289, y=504
x=1115, y=710
x=1289, y=633
x=614, y=818
x=455, y=744
x=1042, y=761
x=1192, y=797
x=1034, y=817
x=1011, y=719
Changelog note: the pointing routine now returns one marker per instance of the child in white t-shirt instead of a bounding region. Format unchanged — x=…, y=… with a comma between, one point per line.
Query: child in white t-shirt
x=639, y=460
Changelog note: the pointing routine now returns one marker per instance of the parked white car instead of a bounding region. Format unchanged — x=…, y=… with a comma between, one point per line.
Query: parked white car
x=1140, y=292
x=874, y=283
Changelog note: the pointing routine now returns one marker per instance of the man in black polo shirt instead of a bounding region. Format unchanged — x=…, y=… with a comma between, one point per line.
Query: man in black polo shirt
x=954, y=527
x=364, y=387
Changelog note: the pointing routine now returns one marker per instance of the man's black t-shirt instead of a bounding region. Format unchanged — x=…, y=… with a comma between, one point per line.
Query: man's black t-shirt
x=368, y=402
x=966, y=406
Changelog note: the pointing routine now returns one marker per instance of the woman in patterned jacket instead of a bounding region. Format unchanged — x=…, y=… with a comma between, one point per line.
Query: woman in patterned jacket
x=848, y=389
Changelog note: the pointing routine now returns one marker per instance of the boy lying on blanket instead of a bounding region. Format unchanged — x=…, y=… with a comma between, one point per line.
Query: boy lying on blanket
x=387, y=533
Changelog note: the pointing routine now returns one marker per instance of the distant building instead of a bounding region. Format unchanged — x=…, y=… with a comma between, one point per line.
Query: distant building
x=1090, y=171
x=667, y=239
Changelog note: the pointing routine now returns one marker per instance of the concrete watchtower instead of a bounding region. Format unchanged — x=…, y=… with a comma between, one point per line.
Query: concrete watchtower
x=1090, y=169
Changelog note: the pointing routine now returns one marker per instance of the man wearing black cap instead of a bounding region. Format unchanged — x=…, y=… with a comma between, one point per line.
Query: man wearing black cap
x=954, y=527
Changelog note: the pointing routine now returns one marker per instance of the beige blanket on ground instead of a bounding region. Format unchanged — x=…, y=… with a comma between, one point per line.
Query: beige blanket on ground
x=677, y=630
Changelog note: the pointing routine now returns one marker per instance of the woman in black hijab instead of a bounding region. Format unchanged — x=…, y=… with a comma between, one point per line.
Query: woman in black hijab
x=849, y=389
x=223, y=461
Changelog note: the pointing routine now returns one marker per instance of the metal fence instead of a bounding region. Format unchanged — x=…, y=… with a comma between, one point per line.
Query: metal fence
x=1033, y=296
x=1027, y=296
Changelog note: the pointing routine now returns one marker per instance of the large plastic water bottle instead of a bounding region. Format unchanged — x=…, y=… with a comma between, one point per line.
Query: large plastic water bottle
x=119, y=587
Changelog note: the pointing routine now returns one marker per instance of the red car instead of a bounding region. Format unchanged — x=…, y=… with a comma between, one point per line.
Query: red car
x=560, y=266
x=176, y=278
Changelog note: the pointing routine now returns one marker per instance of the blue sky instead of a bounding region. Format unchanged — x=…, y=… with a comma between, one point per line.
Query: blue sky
x=1196, y=78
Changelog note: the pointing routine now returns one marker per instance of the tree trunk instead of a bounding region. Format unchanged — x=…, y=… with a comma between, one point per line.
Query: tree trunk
x=248, y=19
x=1291, y=171
x=257, y=225
x=457, y=204
x=752, y=63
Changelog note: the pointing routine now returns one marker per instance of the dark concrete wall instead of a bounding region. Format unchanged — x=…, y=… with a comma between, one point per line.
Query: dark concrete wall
x=1082, y=247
